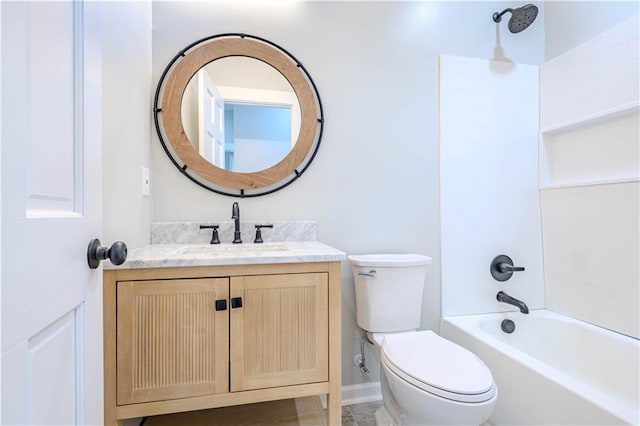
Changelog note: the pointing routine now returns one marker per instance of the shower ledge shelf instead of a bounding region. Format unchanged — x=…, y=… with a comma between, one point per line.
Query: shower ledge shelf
x=589, y=183
x=601, y=115
x=546, y=138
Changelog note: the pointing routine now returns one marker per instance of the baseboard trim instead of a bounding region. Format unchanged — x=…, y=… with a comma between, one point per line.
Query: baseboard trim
x=358, y=394
x=361, y=393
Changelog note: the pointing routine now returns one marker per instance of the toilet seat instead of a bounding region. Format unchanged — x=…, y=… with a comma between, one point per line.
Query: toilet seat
x=438, y=366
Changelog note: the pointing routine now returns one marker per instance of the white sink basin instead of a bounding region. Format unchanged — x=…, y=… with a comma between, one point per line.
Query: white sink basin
x=229, y=249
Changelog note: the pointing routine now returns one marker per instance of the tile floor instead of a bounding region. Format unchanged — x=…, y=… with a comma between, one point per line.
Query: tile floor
x=360, y=414
x=306, y=411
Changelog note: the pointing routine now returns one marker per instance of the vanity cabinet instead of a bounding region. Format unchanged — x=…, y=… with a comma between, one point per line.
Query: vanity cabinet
x=279, y=335
x=189, y=338
x=171, y=342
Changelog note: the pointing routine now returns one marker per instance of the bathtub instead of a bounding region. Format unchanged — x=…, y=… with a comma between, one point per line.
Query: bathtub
x=553, y=369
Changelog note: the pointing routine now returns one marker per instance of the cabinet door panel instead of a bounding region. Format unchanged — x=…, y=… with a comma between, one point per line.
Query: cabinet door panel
x=171, y=342
x=279, y=335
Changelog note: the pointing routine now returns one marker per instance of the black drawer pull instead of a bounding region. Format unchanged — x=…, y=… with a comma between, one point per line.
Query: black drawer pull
x=236, y=302
x=221, y=305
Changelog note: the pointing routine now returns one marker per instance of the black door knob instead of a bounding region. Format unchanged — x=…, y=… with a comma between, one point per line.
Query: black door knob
x=117, y=253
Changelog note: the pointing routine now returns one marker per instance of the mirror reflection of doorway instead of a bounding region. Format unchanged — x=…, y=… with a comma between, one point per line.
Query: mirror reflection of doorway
x=210, y=121
x=256, y=136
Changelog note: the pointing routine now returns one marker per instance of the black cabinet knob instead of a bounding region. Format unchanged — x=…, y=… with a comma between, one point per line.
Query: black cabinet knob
x=236, y=302
x=117, y=253
x=221, y=305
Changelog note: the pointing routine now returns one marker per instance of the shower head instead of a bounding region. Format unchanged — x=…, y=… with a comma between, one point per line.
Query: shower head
x=521, y=17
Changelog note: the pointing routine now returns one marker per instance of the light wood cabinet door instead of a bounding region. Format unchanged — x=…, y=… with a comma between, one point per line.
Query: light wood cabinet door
x=279, y=335
x=171, y=341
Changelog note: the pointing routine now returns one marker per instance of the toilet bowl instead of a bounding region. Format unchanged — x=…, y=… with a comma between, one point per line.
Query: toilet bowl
x=425, y=378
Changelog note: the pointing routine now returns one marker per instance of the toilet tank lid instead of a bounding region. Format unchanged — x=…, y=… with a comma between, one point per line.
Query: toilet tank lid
x=389, y=260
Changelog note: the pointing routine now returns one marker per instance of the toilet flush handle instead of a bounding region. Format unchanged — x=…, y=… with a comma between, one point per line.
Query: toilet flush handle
x=371, y=273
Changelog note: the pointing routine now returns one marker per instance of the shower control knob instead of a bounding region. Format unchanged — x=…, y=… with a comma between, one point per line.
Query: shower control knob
x=117, y=253
x=502, y=268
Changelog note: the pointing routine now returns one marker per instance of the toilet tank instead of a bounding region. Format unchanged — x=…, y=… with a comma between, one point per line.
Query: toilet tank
x=389, y=290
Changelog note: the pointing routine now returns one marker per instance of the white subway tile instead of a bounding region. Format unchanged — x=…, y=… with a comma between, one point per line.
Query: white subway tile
x=489, y=198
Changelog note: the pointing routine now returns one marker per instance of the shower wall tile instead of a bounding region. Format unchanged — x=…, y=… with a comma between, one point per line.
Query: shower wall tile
x=592, y=254
x=598, y=76
x=590, y=172
x=489, y=183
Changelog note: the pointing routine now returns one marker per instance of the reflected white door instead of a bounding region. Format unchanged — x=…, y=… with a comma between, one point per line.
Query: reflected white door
x=210, y=120
x=51, y=208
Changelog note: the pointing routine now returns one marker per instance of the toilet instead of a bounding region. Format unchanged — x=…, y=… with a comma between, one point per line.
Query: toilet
x=425, y=378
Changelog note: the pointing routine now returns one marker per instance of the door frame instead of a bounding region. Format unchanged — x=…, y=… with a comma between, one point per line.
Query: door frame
x=1, y=214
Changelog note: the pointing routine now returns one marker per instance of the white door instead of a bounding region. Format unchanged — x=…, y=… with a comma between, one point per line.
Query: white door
x=51, y=208
x=210, y=120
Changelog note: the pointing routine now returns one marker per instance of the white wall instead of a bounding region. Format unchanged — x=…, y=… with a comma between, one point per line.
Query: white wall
x=489, y=183
x=570, y=23
x=0, y=194
x=374, y=185
x=127, y=100
x=127, y=95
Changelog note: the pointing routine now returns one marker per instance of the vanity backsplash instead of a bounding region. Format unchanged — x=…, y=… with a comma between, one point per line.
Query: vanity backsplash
x=190, y=232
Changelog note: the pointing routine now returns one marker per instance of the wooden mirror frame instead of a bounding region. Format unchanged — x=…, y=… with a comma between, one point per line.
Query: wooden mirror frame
x=168, y=117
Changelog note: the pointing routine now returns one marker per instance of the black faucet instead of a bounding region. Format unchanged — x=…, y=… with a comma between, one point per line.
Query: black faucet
x=505, y=298
x=235, y=215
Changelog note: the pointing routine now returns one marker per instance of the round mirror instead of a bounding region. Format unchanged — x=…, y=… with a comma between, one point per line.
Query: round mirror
x=238, y=115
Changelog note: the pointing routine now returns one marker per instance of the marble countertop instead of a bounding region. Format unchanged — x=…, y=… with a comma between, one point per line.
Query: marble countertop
x=176, y=255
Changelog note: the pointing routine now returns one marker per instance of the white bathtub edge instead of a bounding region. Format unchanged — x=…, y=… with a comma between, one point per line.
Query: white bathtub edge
x=468, y=324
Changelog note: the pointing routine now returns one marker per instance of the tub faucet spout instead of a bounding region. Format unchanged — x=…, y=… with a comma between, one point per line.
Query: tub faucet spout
x=235, y=215
x=505, y=298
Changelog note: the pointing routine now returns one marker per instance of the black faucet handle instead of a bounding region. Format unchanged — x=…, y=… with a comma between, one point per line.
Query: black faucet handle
x=258, y=239
x=505, y=267
x=502, y=268
x=214, y=235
